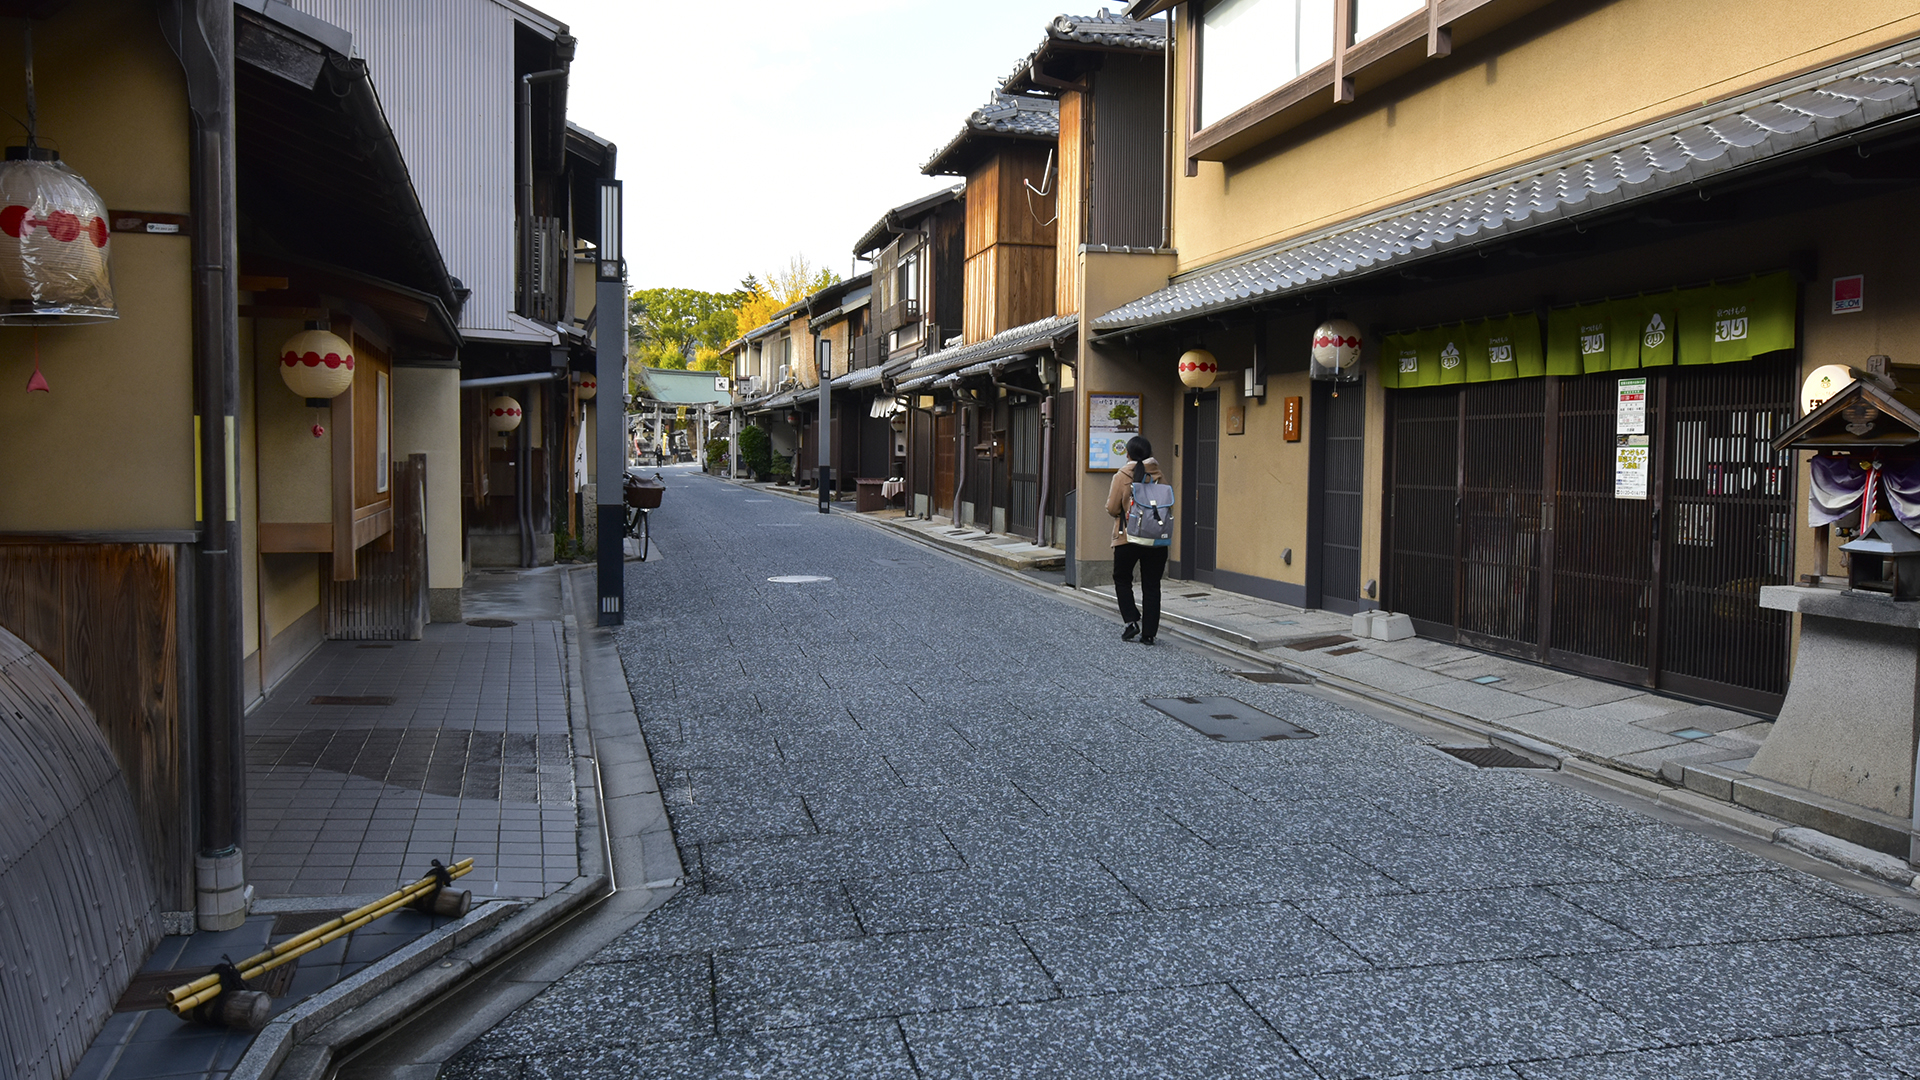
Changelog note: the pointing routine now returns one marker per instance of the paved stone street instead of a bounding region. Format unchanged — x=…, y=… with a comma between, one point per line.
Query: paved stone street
x=930, y=829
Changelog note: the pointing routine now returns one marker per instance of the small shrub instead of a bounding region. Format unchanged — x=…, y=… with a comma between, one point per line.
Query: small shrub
x=717, y=450
x=756, y=449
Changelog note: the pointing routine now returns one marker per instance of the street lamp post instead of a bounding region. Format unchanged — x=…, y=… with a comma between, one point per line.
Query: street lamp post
x=823, y=358
x=609, y=296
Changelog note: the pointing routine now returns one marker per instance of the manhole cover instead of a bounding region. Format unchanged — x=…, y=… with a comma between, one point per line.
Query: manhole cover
x=798, y=579
x=492, y=624
x=1491, y=757
x=1307, y=644
x=343, y=699
x=1272, y=677
x=1226, y=720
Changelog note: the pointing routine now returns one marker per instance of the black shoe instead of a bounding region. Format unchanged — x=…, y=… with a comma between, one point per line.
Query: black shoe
x=1146, y=640
x=1132, y=631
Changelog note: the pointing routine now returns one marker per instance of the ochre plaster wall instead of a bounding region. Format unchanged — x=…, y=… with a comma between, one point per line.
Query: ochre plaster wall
x=112, y=446
x=1563, y=77
x=426, y=420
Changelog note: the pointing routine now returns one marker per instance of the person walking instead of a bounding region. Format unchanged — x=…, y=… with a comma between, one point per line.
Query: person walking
x=1143, y=622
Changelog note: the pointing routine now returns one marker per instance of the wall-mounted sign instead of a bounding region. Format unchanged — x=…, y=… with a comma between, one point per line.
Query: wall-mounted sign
x=1234, y=419
x=1290, y=420
x=1630, y=467
x=1822, y=383
x=1112, y=419
x=1630, y=410
x=1849, y=294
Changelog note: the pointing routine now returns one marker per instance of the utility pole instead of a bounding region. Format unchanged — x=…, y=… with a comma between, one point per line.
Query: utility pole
x=610, y=410
x=824, y=360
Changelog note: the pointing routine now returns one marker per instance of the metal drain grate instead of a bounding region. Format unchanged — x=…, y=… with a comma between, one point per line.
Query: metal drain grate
x=148, y=990
x=1491, y=757
x=1273, y=677
x=343, y=699
x=492, y=624
x=1226, y=720
x=1348, y=651
x=373, y=646
x=1308, y=644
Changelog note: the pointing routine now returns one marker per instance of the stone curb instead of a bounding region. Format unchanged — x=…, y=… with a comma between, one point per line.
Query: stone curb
x=302, y=1043
x=1862, y=860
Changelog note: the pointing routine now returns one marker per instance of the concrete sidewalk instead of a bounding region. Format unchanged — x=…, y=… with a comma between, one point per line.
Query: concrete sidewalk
x=366, y=763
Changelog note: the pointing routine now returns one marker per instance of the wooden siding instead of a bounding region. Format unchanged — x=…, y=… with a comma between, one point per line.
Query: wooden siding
x=1126, y=195
x=1009, y=276
x=1070, y=196
x=106, y=617
x=81, y=914
x=386, y=600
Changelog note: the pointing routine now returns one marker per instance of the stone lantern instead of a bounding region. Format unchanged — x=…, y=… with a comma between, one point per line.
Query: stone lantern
x=1885, y=561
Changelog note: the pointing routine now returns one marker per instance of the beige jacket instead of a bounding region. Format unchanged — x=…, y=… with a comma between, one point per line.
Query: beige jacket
x=1119, y=493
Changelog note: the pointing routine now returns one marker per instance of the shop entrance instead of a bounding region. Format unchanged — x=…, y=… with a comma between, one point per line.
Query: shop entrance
x=1023, y=467
x=1200, y=483
x=1338, y=427
x=943, y=457
x=1509, y=530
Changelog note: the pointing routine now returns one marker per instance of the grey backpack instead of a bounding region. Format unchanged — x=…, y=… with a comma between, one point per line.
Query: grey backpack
x=1149, y=512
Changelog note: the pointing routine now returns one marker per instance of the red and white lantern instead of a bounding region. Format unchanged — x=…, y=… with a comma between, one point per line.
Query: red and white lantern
x=586, y=386
x=1336, y=345
x=1197, y=368
x=503, y=415
x=53, y=245
x=316, y=364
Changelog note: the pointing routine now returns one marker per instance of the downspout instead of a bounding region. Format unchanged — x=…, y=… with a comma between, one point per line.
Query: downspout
x=523, y=181
x=200, y=32
x=962, y=447
x=1166, y=142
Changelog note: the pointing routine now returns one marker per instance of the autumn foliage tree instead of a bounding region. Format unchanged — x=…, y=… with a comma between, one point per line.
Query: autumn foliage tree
x=763, y=298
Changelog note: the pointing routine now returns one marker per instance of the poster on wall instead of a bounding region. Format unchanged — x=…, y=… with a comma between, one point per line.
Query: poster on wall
x=1112, y=419
x=1630, y=413
x=1630, y=467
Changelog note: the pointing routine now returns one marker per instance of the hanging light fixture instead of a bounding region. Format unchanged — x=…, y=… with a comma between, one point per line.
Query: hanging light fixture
x=585, y=386
x=503, y=415
x=53, y=234
x=1336, y=352
x=1197, y=368
x=316, y=364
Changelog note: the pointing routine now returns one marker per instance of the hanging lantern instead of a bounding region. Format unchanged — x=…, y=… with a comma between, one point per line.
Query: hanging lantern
x=586, y=386
x=1336, y=352
x=53, y=243
x=503, y=414
x=1197, y=368
x=316, y=364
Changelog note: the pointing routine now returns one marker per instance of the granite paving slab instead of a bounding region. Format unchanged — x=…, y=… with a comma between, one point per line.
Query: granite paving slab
x=826, y=857
x=696, y=922
x=1184, y=948
x=1720, y=908
x=1379, y=1023
x=1483, y=861
x=1807, y=1058
x=1200, y=1032
x=1743, y=990
x=1892, y=1048
x=886, y=975
x=1444, y=928
x=989, y=894
x=873, y=1050
x=625, y=1004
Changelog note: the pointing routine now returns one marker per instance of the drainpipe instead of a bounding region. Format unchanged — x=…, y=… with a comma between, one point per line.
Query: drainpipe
x=960, y=453
x=200, y=33
x=1166, y=142
x=523, y=186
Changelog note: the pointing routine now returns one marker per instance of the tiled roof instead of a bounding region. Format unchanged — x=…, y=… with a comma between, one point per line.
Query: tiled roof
x=1041, y=333
x=903, y=217
x=1109, y=30
x=1007, y=116
x=1642, y=164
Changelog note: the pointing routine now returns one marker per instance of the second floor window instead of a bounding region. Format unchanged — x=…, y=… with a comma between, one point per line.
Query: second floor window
x=908, y=289
x=1252, y=47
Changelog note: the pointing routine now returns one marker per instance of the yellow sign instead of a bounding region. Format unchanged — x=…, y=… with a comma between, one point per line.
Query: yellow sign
x=680, y=413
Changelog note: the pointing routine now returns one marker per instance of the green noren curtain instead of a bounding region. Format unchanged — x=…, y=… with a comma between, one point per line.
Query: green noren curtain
x=1717, y=324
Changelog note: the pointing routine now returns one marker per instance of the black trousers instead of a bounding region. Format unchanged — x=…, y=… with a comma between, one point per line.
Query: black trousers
x=1152, y=562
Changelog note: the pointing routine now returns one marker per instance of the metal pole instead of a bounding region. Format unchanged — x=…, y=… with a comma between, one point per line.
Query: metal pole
x=825, y=366
x=610, y=407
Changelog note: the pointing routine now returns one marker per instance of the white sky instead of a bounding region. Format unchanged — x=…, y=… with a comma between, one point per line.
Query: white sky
x=754, y=130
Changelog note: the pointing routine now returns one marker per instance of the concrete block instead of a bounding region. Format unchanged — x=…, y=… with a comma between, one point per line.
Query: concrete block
x=1392, y=627
x=1857, y=824
x=1363, y=623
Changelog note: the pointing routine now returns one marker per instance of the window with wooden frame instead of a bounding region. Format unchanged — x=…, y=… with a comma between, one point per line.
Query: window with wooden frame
x=1259, y=67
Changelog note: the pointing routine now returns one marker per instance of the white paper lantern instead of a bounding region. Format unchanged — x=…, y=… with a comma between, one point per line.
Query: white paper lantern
x=1197, y=368
x=503, y=414
x=316, y=364
x=1336, y=345
x=53, y=246
x=586, y=386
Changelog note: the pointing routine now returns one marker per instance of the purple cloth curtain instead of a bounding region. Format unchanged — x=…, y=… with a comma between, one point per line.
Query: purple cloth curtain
x=1834, y=494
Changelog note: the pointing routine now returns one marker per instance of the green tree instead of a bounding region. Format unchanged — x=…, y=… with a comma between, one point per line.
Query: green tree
x=681, y=328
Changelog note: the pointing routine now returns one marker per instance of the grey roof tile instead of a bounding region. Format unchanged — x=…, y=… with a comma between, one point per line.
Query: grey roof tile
x=1037, y=334
x=1004, y=114
x=1640, y=165
x=1110, y=30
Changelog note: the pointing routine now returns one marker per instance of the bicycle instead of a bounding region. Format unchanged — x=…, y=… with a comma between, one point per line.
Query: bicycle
x=642, y=496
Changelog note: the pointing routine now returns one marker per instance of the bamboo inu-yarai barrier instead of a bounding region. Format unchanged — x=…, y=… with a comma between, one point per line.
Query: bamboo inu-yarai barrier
x=184, y=999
